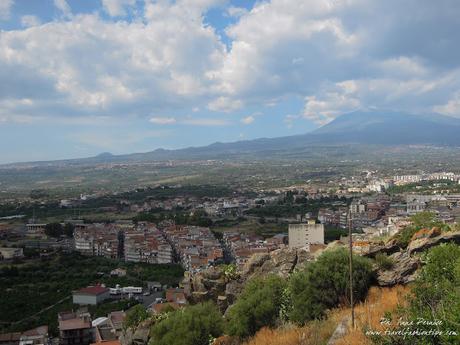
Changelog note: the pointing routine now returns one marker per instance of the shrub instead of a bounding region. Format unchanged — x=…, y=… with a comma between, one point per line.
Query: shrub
x=325, y=284
x=135, y=316
x=384, y=262
x=194, y=325
x=258, y=306
x=420, y=220
x=435, y=298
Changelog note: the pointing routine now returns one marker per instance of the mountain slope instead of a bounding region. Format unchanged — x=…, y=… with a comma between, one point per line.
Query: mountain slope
x=391, y=128
x=387, y=128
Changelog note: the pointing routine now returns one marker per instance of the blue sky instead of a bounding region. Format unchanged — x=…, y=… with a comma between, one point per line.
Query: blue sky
x=80, y=77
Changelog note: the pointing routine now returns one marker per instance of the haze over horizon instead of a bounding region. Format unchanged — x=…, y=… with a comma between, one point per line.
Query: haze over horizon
x=81, y=77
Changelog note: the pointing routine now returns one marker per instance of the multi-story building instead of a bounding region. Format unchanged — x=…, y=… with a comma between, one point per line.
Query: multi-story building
x=302, y=235
x=75, y=328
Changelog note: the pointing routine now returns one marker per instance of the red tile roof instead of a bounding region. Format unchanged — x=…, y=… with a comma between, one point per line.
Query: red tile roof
x=92, y=290
x=77, y=323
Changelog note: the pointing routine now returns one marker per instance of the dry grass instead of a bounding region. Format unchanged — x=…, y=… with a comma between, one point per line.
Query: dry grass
x=314, y=333
x=367, y=314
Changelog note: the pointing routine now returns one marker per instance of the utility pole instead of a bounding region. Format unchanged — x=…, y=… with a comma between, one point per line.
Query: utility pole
x=350, y=242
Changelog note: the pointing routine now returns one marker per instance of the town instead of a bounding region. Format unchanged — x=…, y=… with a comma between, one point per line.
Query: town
x=196, y=231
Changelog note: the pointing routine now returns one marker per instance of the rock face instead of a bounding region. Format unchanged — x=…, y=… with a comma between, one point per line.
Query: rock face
x=403, y=271
x=280, y=262
x=424, y=243
x=213, y=284
x=208, y=284
x=138, y=336
x=407, y=261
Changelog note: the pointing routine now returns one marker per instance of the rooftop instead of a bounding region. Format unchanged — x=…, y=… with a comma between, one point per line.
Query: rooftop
x=92, y=290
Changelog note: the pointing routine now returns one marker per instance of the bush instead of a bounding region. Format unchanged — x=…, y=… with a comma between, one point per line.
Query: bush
x=420, y=221
x=384, y=262
x=325, y=284
x=258, y=306
x=195, y=325
x=135, y=316
x=435, y=298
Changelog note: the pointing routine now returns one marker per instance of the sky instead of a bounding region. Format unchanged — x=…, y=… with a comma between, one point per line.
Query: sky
x=81, y=77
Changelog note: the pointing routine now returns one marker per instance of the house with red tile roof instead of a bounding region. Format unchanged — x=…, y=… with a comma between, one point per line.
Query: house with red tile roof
x=91, y=295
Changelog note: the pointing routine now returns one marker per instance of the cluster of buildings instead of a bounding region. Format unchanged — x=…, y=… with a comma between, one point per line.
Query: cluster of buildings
x=143, y=242
x=195, y=246
x=175, y=298
x=77, y=328
x=242, y=246
x=35, y=336
x=406, y=179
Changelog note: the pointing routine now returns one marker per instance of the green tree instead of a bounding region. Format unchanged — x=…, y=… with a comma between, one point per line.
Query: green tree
x=258, y=306
x=325, y=284
x=194, y=325
x=135, y=316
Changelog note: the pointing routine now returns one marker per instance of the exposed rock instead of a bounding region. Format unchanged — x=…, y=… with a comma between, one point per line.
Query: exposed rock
x=222, y=303
x=389, y=248
x=209, y=283
x=280, y=262
x=139, y=336
x=253, y=263
x=402, y=272
x=422, y=244
x=200, y=296
x=426, y=233
x=126, y=338
x=232, y=290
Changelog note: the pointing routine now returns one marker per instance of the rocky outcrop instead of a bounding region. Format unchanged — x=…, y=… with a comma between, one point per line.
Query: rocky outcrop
x=280, y=262
x=407, y=261
x=389, y=248
x=208, y=284
x=404, y=270
x=138, y=336
x=424, y=243
x=212, y=283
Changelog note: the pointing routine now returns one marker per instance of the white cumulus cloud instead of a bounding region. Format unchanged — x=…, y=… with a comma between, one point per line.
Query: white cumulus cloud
x=117, y=8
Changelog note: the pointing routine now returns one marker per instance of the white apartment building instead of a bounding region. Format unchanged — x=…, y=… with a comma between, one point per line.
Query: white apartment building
x=302, y=235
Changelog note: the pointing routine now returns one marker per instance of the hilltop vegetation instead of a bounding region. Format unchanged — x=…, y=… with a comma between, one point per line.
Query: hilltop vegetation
x=306, y=307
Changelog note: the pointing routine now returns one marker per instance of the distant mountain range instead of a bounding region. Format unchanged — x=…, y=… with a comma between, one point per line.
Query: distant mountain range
x=383, y=128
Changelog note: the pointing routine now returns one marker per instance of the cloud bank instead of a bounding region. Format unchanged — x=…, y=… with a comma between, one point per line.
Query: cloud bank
x=164, y=57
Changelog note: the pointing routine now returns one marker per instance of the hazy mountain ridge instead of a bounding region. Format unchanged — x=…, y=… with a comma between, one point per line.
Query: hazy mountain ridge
x=386, y=128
